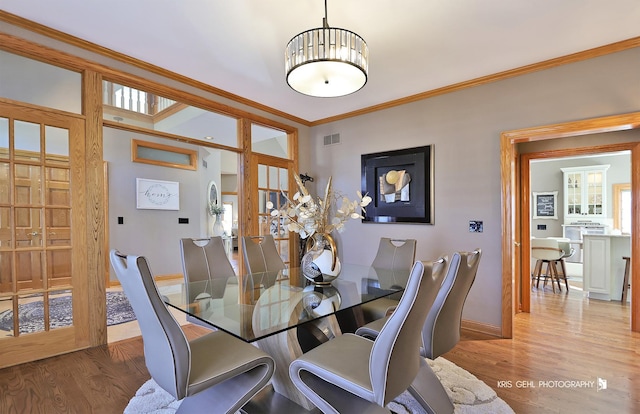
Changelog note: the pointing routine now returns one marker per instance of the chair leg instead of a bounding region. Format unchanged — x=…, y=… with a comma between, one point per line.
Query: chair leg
x=563, y=266
x=429, y=392
x=537, y=270
x=625, y=281
x=550, y=275
x=555, y=278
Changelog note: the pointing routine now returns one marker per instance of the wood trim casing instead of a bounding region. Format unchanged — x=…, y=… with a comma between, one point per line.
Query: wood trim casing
x=510, y=198
x=92, y=47
x=95, y=206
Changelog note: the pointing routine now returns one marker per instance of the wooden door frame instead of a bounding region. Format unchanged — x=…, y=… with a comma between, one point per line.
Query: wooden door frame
x=515, y=235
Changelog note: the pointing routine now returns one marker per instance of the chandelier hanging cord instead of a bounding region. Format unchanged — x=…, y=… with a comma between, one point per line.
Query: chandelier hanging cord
x=325, y=21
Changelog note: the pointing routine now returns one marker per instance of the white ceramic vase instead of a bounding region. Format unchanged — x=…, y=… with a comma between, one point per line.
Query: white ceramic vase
x=218, y=229
x=321, y=264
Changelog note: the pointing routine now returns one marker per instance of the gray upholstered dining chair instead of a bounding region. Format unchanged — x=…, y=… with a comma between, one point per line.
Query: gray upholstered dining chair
x=394, y=257
x=214, y=370
x=261, y=254
x=207, y=271
x=352, y=374
x=441, y=330
x=262, y=261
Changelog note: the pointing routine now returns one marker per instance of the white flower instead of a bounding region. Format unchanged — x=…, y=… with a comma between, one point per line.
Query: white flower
x=306, y=215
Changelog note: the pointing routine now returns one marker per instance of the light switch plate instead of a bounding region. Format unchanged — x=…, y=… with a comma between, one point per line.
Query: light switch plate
x=475, y=226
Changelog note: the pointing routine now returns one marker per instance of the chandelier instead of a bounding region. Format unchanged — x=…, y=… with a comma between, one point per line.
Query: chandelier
x=327, y=61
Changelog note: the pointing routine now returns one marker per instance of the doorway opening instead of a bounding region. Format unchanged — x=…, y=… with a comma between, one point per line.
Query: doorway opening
x=515, y=194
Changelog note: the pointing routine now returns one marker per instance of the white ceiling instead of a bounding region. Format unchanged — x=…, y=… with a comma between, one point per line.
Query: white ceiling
x=415, y=45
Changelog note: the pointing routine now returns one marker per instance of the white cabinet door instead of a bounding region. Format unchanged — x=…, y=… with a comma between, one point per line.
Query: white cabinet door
x=597, y=265
x=585, y=192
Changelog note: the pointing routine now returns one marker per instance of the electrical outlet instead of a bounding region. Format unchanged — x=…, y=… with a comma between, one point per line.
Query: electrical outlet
x=542, y=226
x=475, y=226
x=120, y=220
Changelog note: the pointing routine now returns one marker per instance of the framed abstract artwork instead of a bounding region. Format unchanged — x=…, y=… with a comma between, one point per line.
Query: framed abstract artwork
x=401, y=185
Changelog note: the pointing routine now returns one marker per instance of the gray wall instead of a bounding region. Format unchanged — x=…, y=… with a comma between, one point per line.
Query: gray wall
x=155, y=233
x=465, y=128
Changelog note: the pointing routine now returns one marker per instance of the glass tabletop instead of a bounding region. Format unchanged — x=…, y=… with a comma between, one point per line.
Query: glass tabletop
x=258, y=305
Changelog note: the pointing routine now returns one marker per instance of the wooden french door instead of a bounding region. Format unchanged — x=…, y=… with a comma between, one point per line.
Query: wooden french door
x=43, y=271
x=273, y=185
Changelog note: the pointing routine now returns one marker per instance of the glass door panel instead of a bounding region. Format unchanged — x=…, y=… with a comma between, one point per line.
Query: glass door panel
x=26, y=142
x=574, y=193
x=4, y=139
x=273, y=190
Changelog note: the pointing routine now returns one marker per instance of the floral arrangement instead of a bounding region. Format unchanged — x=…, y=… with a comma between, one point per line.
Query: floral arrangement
x=305, y=215
x=214, y=209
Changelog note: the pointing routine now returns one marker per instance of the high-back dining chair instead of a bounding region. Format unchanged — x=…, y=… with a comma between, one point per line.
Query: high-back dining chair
x=352, y=374
x=262, y=261
x=207, y=271
x=214, y=370
x=441, y=330
x=395, y=253
x=394, y=257
x=261, y=254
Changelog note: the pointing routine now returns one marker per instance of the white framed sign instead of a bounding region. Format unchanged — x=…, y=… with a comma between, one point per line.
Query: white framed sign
x=157, y=195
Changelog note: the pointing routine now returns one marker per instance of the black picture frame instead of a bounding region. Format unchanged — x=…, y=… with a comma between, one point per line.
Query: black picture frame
x=418, y=163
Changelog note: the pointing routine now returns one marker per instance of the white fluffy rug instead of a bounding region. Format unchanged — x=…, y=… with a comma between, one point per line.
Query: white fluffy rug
x=469, y=395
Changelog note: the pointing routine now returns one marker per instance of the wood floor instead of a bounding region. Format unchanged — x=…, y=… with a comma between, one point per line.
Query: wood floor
x=565, y=338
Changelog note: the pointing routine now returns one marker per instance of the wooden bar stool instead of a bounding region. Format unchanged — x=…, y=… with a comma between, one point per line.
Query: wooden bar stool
x=625, y=281
x=547, y=251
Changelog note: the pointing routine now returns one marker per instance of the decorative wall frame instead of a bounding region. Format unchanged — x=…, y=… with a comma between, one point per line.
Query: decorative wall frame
x=163, y=155
x=401, y=185
x=157, y=195
x=212, y=193
x=545, y=205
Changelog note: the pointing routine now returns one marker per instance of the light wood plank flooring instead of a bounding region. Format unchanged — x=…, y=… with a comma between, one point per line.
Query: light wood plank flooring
x=565, y=338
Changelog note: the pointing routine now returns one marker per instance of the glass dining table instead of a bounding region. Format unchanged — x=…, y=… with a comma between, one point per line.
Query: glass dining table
x=284, y=313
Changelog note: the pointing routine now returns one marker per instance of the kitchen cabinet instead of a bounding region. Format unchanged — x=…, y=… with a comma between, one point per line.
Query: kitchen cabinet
x=604, y=266
x=585, y=191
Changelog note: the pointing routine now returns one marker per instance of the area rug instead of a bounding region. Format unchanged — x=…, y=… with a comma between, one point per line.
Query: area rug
x=468, y=394
x=31, y=315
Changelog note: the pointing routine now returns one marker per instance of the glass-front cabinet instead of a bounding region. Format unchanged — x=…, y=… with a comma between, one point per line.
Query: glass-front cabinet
x=585, y=191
